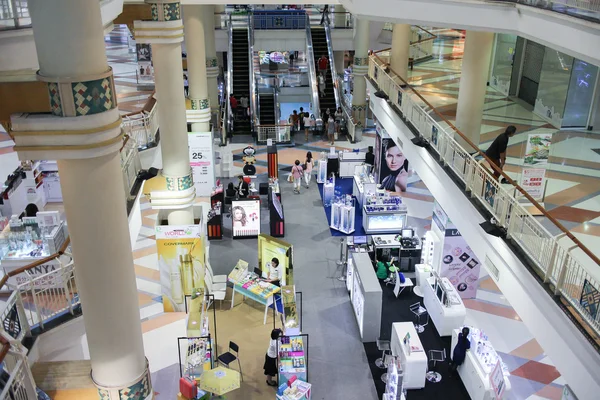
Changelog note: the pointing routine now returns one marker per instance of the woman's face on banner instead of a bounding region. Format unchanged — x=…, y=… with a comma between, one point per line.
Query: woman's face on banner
x=238, y=214
x=394, y=158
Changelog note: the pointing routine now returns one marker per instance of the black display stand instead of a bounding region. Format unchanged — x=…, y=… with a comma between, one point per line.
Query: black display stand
x=214, y=226
x=333, y=166
x=276, y=216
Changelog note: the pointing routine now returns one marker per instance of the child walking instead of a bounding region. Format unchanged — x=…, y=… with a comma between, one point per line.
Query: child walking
x=297, y=173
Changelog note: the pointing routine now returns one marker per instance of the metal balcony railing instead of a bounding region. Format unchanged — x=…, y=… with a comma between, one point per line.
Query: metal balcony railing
x=583, y=9
x=562, y=261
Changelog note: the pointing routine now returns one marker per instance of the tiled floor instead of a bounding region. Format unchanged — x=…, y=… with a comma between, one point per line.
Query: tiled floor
x=573, y=188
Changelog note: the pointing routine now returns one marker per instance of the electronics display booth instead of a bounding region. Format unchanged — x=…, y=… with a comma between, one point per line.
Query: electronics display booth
x=364, y=184
x=483, y=373
x=443, y=303
x=404, y=247
x=349, y=160
x=406, y=345
x=365, y=296
x=384, y=218
x=214, y=223
x=276, y=217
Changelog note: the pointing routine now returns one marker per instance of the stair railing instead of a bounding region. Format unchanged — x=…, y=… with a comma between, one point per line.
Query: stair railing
x=332, y=66
x=312, y=73
x=13, y=358
x=229, y=90
x=251, y=77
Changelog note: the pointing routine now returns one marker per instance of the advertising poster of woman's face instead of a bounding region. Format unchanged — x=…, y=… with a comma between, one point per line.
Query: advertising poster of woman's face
x=245, y=216
x=394, y=167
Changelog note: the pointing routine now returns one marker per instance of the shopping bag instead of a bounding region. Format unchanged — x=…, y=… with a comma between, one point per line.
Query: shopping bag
x=290, y=178
x=188, y=388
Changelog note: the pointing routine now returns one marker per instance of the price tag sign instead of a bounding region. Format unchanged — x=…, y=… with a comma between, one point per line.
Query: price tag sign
x=201, y=161
x=497, y=381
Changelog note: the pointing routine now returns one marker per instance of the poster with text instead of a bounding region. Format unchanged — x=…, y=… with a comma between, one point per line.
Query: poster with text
x=269, y=248
x=393, y=174
x=537, y=149
x=245, y=216
x=460, y=264
x=145, y=69
x=533, y=181
x=181, y=263
x=202, y=163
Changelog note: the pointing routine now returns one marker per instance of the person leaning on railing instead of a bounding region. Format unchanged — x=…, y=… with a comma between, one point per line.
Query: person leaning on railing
x=497, y=150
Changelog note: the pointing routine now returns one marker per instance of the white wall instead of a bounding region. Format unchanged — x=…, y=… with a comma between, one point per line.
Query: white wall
x=17, y=50
x=573, y=356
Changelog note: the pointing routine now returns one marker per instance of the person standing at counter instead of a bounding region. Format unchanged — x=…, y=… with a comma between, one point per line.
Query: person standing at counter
x=460, y=350
x=270, y=365
x=275, y=272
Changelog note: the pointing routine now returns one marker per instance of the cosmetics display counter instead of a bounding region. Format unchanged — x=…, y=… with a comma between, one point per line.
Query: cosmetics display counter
x=483, y=373
x=404, y=247
x=342, y=214
x=443, y=303
x=214, y=221
x=394, y=383
x=198, y=356
x=364, y=184
x=406, y=345
x=297, y=390
x=348, y=161
x=365, y=296
x=384, y=218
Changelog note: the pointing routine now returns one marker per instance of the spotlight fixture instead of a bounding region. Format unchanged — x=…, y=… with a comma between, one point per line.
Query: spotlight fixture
x=419, y=141
x=491, y=228
x=381, y=94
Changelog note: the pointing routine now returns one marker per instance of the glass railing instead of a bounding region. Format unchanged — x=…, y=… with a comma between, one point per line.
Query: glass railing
x=279, y=19
x=251, y=77
x=312, y=72
x=337, y=20
x=584, y=9
x=421, y=41
x=229, y=119
x=332, y=66
x=14, y=14
x=564, y=264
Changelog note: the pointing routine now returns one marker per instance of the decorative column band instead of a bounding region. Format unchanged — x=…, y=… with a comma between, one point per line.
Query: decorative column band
x=358, y=113
x=141, y=389
x=212, y=67
x=360, y=65
x=179, y=183
x=78, y=96
x=165, y=10
x=159, y=32
x=200, y=104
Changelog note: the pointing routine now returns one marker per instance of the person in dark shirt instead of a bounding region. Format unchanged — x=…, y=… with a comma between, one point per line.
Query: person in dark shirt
x=370, y=157
x=460, y=350
x=497, y=150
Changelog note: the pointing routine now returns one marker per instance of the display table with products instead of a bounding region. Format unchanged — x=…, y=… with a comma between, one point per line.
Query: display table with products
x=384, y=218
x=362, y=187
x=404, y=247
x=250, y=285
x=298, y=390
x=366, y=297
x=292, y=358
x=443, y=303
x=348, y=161
x=406, y=345
x=483, y=373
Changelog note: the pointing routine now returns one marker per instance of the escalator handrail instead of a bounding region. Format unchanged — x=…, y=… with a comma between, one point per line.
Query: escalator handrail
x=332, y=67
x=310, y=59
x=229, y=76
x=251, y=77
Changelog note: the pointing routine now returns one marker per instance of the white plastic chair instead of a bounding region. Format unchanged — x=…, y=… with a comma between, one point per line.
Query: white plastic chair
x=216, y=286
x=219, y=294
x=215, y=278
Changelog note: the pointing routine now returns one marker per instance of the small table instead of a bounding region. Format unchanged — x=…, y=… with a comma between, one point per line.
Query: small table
x=257, y=290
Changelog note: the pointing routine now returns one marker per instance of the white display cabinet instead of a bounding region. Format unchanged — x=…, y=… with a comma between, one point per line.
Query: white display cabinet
x=348, y=161
x=376, y=219
x=444, y=305
x=342, y=217
x=322, y=171
x=483, y=373
x=366, y=297
x=406, y=345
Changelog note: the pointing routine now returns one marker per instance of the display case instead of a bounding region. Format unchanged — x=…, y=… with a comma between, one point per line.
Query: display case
x=342, y=215
x=384, y=218
x=322, y=170
x=364, y=184
x=348, y=161
x=214, y=221
x=483, y=372
x=366, y=297
x=394, y=383
x=443, y=303
x=292, y=357
x=406, y=345
x=297, y=390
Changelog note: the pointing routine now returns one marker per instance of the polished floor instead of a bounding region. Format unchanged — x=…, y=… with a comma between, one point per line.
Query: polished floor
x=573, y=189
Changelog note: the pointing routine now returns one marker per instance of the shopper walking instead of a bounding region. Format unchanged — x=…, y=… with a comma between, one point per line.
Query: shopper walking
x=308, y=167
x=307, y=123
x=460, y=350
x=325, y=14
x=301, y=113
x=297, y=173
x=497, y=150
x=270, y=365
x=244, y=103
x=186, y=85
x=331, y=129
x=338, y=119
x=234, y=104
x=321, y=86
x=370, y=157
x=322, y=63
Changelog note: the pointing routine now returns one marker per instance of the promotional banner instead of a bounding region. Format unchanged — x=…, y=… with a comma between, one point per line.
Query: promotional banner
x=535, y=160
x=393, y=173
x=381, y=134
x=532, y=180
x=181, y=263
x=145, y=71
x=245, y=216
x=201, y=160
x=269, y=248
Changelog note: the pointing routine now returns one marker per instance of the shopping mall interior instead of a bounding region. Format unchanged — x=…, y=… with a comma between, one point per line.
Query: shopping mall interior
x=356, y=200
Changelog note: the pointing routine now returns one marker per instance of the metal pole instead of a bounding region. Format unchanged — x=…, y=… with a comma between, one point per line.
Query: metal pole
x=342, y=261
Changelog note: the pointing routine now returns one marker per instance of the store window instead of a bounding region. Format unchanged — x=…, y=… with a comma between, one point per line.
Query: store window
x=553, y=86
x=502, y=64
x=580, y=94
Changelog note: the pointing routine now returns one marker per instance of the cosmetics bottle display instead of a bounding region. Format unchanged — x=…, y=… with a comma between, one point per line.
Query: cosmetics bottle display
x=176, y=287
x=187, y=273
x=484, y=351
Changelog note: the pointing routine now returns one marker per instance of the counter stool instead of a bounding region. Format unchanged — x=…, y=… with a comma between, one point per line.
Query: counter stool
x=435, y=356
x=419, y=311
x=383, y=346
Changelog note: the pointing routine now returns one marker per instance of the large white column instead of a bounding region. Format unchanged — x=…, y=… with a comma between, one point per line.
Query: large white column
x=359, y=70
x=473, y=85
x=173, y=189
x=84, y=135
x=339, y=17
x=212, y=65
x=219, y=8
x=193, y=24
x=338, y=57
x=400, y=49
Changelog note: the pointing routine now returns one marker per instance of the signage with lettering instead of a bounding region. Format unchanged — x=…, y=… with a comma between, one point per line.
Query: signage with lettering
x=497, y=381
x=201, y=161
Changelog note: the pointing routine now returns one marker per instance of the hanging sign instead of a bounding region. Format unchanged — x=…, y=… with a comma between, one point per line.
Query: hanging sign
x=497, y=381
x=201, y=161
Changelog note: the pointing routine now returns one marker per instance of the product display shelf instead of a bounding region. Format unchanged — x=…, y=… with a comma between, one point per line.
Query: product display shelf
x=406, y=345
x=298, y=390
x=394, y=383
x=199, y=344
x=342, y=217
x=322, y=171
x=292, y=358
x=443, y=303
x=34, y=183
x=363, y=185
x=483, y=373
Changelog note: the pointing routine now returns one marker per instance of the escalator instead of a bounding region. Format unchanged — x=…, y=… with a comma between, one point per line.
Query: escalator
x=319, y=42
x=240, y=80
x=266, y=103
